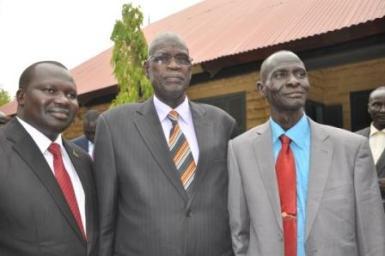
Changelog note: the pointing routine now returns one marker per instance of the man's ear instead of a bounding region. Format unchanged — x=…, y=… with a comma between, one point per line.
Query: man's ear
x=20, y=96
x=261, y=88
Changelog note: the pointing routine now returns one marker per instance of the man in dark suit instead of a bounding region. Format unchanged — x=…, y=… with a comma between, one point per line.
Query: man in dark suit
x=86, y=141
x=376, y=133
x=299, y=188
x=160, y=167
x=47, y=195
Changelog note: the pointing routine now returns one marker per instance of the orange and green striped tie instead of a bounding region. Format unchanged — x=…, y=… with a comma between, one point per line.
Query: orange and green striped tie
x=181, y=152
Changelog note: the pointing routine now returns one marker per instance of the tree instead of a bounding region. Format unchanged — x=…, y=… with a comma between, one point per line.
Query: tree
x=4, y=97
x=128, y=56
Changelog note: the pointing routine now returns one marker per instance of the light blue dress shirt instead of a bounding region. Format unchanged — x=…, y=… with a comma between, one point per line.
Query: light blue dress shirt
x=300, y=146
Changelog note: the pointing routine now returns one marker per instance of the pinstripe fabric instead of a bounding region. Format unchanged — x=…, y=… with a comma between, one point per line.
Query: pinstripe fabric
x=181, y=152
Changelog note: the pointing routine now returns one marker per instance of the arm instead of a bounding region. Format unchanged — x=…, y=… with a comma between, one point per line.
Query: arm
x=239, y=216
x=370, y=218
x=106, y=185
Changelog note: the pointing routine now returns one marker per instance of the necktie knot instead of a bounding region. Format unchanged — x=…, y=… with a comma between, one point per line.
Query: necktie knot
x=173, y=116
x=285, y=140
x=54, y=149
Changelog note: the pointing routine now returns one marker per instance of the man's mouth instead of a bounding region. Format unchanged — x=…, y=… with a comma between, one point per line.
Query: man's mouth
x=59, y=113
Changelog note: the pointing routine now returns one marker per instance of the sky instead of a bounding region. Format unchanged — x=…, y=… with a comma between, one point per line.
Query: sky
x=70, y=31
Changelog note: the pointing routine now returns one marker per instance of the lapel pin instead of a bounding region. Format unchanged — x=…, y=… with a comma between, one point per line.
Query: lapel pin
x=75, y=153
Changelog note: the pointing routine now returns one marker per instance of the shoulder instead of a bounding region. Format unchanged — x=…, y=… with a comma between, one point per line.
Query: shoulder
x=123, y=110
x=364, y=132
x=338, y=135
x=251, y=134
x=79, y=139
x=212, y=111
x=77, y=151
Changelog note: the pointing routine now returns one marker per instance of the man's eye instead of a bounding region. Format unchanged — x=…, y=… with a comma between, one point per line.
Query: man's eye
x=49, y=90
x=301, y=74
x=72, y=96
x=162, y=59
x=182, y=59
x=279, y=75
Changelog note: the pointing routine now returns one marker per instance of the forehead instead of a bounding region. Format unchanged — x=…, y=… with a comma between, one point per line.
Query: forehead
x=169, y=47
x=377, y=95
x=50, y=73
x=285, y=61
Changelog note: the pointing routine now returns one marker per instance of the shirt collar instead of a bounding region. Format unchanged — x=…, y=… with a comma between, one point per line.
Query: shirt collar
x=374, y=130
x=39, y=138
x=296, y=133
x=163, y=109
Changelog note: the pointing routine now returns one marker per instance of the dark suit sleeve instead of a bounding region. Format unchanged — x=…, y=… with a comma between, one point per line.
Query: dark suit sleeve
x=370, y=219
x=106, y=185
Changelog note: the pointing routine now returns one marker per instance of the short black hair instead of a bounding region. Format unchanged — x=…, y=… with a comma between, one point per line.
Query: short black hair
x=26, y=76
x=91, y=115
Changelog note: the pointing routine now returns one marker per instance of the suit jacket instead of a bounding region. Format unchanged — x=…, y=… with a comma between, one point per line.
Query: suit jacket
x=380, y=165
x=344, y=215
x=144, y=209
x=82, y=142
x=35, y=218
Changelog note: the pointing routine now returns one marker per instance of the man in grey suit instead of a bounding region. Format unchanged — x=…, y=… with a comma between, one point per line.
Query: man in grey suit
x=47, y=194
x=376, y=133
x=331, y=180
x=162, y=182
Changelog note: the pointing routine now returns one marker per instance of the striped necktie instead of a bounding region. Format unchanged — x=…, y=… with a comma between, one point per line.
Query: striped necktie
x=181, y=152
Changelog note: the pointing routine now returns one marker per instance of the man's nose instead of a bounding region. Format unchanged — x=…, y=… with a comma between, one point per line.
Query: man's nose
x=61, y=98
x=173, y=63
x=293, y=80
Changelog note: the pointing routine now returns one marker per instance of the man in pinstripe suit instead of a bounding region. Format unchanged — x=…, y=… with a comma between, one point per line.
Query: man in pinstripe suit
x=160, y=167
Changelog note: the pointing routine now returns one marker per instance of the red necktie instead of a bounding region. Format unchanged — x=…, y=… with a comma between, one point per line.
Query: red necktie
x=64, y=181
x=286, y=176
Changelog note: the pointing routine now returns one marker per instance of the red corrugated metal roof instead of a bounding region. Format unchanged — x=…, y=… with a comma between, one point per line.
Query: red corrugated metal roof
x=9, y=108
x=219, y=28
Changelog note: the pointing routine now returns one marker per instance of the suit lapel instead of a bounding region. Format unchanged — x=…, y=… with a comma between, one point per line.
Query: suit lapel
x=30, y=153
x=202, y=132
x=380, y=165
x=263, y=152
x=150, y=129
x=79, y=165
x=320, y=160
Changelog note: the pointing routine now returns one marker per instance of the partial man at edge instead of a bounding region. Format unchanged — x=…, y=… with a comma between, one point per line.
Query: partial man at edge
x=376, y=134
x=47, y=193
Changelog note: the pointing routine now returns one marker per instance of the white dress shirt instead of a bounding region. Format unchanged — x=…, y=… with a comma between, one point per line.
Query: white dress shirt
x=376, y=142
x=185, y=122
x=91, y=149
x=43, y=143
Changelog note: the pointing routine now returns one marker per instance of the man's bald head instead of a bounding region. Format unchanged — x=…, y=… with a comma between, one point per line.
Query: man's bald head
x=169, y=38
x=274, y=59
